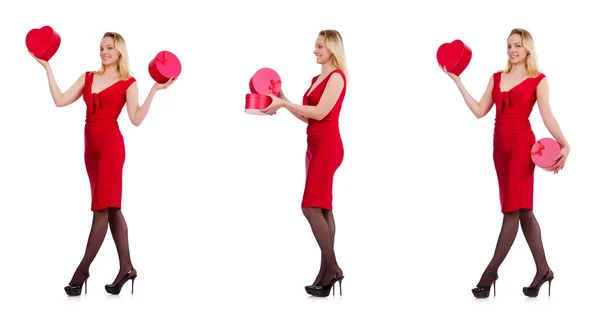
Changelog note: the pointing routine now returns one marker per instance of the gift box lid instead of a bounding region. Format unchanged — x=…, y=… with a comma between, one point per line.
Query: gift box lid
x=265, y=81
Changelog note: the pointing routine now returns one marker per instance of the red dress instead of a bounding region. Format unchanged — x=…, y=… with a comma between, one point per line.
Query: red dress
x=104, y=146
x=325, y=150
x=513, y=139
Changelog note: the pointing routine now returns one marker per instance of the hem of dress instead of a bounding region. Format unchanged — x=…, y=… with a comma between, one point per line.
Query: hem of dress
x=105, y=207
x=308, y=205
x=517, y=209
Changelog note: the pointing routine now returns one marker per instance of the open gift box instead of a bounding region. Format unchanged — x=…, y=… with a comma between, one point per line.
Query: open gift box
x=257, y=102
x=263, y=83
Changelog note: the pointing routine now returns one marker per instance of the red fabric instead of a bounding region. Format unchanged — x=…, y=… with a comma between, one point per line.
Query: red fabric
x=104, y=146
x=513, y=139
x=325, y=150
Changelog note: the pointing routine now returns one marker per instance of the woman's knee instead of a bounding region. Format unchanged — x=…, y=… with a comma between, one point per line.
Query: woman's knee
x=310, y=211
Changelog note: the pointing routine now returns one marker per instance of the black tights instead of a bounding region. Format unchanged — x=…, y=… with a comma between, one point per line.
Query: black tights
x=323, y=227
x=102, y=219
x=508, y=233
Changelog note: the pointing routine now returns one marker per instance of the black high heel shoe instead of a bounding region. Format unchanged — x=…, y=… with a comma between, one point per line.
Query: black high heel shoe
x=116, y=288
x=484, y=292
x=75, y=290
x=323, y=291
x=532, y=291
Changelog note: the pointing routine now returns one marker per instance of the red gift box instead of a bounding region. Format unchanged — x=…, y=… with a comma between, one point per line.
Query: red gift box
x=543, y=153
x=43, y=42
x=265, y=81
x=164, y=66
x=454, y=56
x=257, y=102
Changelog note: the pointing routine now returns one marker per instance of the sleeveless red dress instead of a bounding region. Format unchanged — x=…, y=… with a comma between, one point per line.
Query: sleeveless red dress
x=325, y=150
x=513, y=139
x=104, y=146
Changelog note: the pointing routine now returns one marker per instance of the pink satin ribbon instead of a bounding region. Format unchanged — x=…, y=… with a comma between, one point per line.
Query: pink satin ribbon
x=539, y=149
x=272, y=86
x=164, y=58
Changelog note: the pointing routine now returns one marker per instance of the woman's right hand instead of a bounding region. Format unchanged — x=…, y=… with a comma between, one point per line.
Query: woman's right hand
x=453, y=76
x=42, y=62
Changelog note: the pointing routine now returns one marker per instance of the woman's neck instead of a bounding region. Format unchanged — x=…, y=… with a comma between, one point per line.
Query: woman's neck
x=519, y=69
x=111, y=71
x=327, y=68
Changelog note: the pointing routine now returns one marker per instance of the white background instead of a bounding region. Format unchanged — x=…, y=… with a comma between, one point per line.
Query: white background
x=212, y=195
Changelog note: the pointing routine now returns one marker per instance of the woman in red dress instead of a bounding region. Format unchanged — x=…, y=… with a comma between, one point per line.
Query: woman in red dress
x=105, y=93
x=320, y=109
x=515, y=91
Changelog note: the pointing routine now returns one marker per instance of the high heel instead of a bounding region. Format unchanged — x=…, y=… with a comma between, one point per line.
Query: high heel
x=323, y=291
x=116, y=288
x=75, y=290
x=484, y=292
x=532, y=291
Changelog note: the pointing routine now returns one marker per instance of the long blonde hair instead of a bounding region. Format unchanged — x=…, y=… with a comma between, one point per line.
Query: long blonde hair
x=531, y=67
x=123, y=72
x=334, y=42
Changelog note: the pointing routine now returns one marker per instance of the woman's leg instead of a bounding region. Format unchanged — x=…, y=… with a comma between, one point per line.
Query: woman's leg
x=118, y=229
x=95, y=239
x=331, y=224
x=533, y=235
x=320, y=229
x=508, y=233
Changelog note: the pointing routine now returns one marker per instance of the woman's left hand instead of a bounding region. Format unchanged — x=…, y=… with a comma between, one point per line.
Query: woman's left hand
x=159, y=86
x=275, y=105
x=561, y=159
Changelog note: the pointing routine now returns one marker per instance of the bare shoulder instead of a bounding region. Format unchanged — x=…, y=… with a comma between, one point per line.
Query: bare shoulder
x=132, y=83
x=337, y=76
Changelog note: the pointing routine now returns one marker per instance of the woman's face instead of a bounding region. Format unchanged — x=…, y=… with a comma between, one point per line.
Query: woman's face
x=108, y=52
x=515, y=49
x=321, y=51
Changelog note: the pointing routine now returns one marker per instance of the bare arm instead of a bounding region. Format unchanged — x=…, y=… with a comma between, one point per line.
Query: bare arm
x=483, y=107
x=71, y=95
x=332, y=92
x=543, y=99
x=302, y=118
x=138, y=113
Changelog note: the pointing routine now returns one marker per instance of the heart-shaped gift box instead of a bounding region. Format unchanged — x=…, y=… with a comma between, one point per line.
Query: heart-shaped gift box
x=43, y=42
x=455, y=56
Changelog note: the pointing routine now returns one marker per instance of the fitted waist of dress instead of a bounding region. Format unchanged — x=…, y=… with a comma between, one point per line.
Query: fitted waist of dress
x=101, y=121
x=330, y=130
x=513, y=122
x=101, y=125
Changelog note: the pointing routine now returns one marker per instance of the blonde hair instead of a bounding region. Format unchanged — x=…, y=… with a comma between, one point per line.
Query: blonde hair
x=123, y=72
x=531, y=67
x=333, y=41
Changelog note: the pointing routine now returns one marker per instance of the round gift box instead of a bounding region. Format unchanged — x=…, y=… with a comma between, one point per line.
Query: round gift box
x=265, y=81
x=164, y=66
x=257, y=102
x=543, y=153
